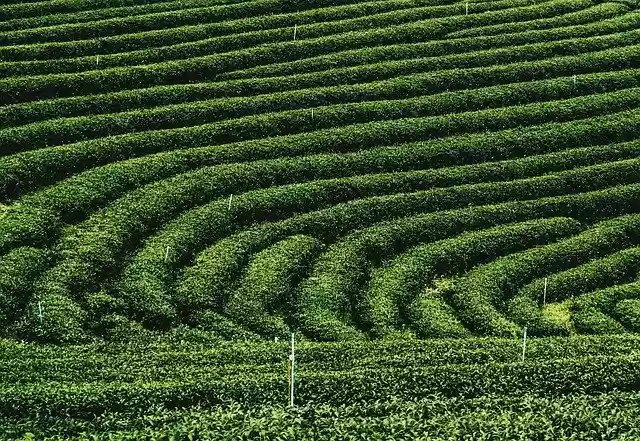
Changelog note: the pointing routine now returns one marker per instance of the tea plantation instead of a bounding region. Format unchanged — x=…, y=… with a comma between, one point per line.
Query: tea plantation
x=405, y=184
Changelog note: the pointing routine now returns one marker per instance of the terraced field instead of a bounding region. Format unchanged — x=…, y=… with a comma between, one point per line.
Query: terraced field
x=350, y=169
x=372, y=173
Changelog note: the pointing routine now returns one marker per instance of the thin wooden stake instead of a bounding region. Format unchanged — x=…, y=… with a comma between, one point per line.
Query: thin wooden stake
x=289, y=377
x=466, y=8
x=292, y=360
x=40, y=312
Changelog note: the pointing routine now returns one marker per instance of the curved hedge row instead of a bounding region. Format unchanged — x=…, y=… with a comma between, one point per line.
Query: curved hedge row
x=18, y=271
x=236, y=42
x=168, y=167
x=162, y=95
x=18, y=89
x=379, y=313
x=628, y=312
x=12, y=10
x=401, y=290
x=343, y=271
x=107, y=11
x=446, y=47
x=216, y=268
x=468, y=150
x=192, y=41
x=106, y=242
x=94, y=152
x=194, y=32
x=332, y=107
x=269, y=286
x=228, y=10
x=578, y=17
x=616, y=269
x=185, y=183
x=592, y=313
x=76, y=197
x=476, y=295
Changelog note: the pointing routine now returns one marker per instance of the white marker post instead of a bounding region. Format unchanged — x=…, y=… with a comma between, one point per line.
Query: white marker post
x=574, y=80
x=524, y=343
x=466, y=5
x=295, y=31
x=292, y=362
x=166, y=255
x=97, y=59
x=312, y=114
x=40, y=312
x=230, y=199
x=544, y=293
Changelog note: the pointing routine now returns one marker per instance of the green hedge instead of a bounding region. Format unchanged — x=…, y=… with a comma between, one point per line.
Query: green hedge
x=18, y=271
x=628, y=313
x=24, y=225
x=119, y=8
x=186, y=233
x=15, y=90
x=589, y=375
x=477, y=294
x=77, y=196
x=236, y=42
x=333, y=107
x=583, y=16
x=343, y=272
x=594, y=321
x=266, y=296
x=145, y=278
x=18, y=170
x=401, y=289
x=601, y=273
x=216, y=268
x=220, y=325
x=163, y=95
x=592, y=313
x=615, y=269
x=442, y=48
x=63, y=320
x=360, y=186
x=159, y=20
x=227, y=35
x=161, y=359
x=611, y=414
x=12, y=10
x=111, y=233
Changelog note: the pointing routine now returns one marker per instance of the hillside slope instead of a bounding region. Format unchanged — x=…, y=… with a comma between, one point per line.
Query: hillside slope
x=346, y=168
